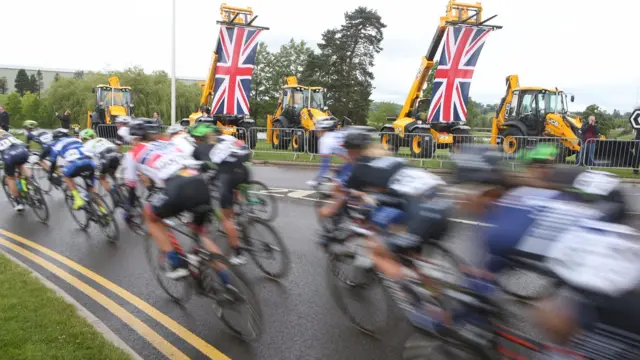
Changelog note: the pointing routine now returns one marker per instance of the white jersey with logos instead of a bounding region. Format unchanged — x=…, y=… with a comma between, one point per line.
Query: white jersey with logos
x=97, y=146
x=229, y=149
x=185, y=142
x=123, y=133
x=331, y=144
x=159, y=160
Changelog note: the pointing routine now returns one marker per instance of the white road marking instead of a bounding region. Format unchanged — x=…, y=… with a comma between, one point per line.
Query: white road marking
x=300, y=194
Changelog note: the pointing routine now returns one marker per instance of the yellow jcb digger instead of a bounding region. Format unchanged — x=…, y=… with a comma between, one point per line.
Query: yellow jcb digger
x=299, y=108
x=410, y=128
x=236, y=17
x=536, y=112
x=112, y=100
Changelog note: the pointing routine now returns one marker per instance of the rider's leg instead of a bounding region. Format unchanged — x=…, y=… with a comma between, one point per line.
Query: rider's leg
x=104, y=182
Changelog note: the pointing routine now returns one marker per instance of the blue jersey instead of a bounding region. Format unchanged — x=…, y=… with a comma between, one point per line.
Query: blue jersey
x=41, y=137
x=69, y=149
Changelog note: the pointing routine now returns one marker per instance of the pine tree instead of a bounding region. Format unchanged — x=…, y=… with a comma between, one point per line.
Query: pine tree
x=22, y=83
x=40, y=81
x=34, y=88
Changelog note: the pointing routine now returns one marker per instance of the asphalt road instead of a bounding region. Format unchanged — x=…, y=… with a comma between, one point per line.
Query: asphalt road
x=301, y=321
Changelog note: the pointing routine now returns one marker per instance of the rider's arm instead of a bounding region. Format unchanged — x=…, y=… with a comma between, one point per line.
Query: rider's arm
x=130, y=178
x=53, y=156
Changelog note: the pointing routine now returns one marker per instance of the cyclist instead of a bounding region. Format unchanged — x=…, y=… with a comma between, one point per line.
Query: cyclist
x=330, y=144
x=122, y=136
x=41, y=137
x=203, y=134
x=76, y=163
x=229, y=155
x=163, y=165
x=181, y=138
x=106, y=156
x=14, y=155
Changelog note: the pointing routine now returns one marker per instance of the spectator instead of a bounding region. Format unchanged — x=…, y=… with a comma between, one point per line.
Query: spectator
x=65, y=119
x=590, y=133
x=156, y=117
x=4, y=119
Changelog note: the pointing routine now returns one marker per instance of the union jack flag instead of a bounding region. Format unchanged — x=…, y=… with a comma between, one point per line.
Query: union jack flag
x=236, y=56
x=460, y=53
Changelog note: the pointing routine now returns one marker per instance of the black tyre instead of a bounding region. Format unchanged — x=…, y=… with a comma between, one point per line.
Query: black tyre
x=389, y=140
x=260, y=203
x=37, y=202
x=238, y=298
x=513, y=141
x=41, y=177
x=77, y=215
x=104, y=217
x=421, y=144
x=280, y=136
x=298, y=141
x=7, y=192
x=265, y=246
x=179, y=290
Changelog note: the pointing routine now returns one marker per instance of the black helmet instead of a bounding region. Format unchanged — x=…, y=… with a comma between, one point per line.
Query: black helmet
x=60, y=133
x=357, y=139
x=137, y=127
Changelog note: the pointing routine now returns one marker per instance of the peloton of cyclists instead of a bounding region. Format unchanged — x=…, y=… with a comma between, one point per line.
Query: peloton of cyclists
x=15, y=155
x=41, y=137
x=105, y=155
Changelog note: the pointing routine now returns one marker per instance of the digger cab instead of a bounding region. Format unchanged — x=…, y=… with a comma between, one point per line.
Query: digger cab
x=112, y=102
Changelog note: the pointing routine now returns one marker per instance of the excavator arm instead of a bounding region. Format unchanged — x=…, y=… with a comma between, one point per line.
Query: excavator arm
x=513, y=82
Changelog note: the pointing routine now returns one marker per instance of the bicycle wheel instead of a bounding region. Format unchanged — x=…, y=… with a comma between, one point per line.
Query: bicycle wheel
x=104, y=217
x=264, y=244
x=37, y=201
x=7, y=192
x=77, y=215
x=511, y=278
x=238, y=298
x=179, y=290
x=328, y=224
x=259, y=202
x=41, y=177
x=347, y=281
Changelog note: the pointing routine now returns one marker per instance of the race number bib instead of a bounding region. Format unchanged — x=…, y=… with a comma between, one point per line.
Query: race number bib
x=6, y=143
x=72, y=154
x=413, y=182
x=597, y=256
x=596, y=182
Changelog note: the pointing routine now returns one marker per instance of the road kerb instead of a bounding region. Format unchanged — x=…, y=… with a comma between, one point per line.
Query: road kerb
x=82, y=311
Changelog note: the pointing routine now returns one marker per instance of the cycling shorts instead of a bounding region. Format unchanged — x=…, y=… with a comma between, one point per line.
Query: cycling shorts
x=84, y=168
x=184, y=192
x=109, y=162
x=14, y=157
x=230, y=178
x=46, y=150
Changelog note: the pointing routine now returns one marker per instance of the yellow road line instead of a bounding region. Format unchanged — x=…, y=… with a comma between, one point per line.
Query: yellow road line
x=171, y=324
x=153, y=337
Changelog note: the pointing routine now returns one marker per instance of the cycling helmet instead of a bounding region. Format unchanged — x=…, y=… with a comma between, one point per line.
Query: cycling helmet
x=357, y=139
x=30, y=124
x=543, y=153
x=123, y=120
x=87, y=134
x=137, y=128
x=326, y=124
x=60, y=133
x=174, y=129
x=202, y=129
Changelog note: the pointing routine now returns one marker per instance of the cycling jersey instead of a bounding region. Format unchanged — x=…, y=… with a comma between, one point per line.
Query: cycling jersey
x=41, y=137
x=229, y=149
x=105, y=154
x=14, y=153
x=331, y=144
x=184, y=142
x=97, y=146
x=159, y=160
x=76, y=161
x=122, y=136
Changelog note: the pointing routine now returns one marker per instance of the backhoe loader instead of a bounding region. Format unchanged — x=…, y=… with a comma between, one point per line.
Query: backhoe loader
x=226, y=89
x=299, y=108
x=112, y=100
x=463, y=31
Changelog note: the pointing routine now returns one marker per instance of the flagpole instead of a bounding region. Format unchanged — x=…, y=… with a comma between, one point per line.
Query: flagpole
x=173, y=63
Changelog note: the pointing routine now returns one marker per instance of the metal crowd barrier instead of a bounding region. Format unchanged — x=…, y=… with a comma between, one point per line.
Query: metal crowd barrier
x=611, y=153
x=516, y=148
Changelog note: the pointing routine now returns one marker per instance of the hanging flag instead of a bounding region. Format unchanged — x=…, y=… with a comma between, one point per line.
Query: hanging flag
x=236, y=56
x=460, y=52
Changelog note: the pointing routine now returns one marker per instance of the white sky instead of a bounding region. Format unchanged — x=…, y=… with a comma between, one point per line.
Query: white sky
x=566, y=43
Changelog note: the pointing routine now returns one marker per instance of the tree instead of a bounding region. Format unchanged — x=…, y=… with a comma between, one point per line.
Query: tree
x=3, y=85
x=428, y=88
x=290, y=60
x=56, y=77
x=78, y=75
x=604, y=120
x=13, y=106
x=380, y=111
x=34, y=88
x=22, y=83
x=40, y=81
x=31, y=107
x=344, y=63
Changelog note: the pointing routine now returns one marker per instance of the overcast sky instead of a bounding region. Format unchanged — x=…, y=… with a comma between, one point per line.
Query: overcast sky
x=589, y=49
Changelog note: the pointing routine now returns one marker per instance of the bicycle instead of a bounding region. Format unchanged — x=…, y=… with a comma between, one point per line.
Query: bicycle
x=204, y=279
x=31, y=194
x=39, y=174
x=95, y=209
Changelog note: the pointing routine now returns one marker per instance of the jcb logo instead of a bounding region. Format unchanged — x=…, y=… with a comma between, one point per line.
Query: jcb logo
x=553, y=122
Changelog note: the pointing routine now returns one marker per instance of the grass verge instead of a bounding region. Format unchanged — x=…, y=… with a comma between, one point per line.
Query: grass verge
x=38, y=324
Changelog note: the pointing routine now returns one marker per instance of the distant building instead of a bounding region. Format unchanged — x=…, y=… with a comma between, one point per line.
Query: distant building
x=10, y=72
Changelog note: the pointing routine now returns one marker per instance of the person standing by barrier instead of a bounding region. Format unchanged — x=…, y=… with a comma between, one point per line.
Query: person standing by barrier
x=156, y=117
x=65, y=119
x=4, y=119
x=590, y=133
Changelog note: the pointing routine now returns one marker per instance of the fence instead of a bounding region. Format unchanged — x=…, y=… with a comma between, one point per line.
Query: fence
x=298, y=145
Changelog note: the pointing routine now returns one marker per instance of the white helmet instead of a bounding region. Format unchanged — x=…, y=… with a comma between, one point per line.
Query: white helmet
x=174, y=129
x=123, y=120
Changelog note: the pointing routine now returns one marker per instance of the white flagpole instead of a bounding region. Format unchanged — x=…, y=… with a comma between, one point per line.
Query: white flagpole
x=173, y=63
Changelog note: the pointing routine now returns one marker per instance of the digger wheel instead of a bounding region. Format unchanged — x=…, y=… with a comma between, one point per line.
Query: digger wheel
x=279, y=138
x=421, y=144
x=389, y=140
x=514, y=140
x=297, y=141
